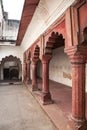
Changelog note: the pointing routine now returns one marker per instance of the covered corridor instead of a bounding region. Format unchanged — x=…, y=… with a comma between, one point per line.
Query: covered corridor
x=60, y=111
x=50, y=43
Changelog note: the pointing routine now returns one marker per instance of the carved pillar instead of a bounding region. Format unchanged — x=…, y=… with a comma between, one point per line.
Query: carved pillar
x=77, y=55
x=46, y=96
x=24, y=72
x=78, y=88
x=24, y=67
x=34, y=76
x=28, y=71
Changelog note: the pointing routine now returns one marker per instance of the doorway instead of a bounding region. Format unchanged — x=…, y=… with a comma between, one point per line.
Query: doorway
x=6, y=73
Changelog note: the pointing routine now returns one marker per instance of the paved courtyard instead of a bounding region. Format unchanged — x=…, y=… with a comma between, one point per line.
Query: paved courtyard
x=20, y=111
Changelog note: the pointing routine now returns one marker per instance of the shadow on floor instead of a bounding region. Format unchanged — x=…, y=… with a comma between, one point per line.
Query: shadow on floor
x=62, y=97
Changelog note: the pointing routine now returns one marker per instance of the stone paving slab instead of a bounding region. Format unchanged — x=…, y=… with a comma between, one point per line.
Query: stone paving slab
x=20, y=111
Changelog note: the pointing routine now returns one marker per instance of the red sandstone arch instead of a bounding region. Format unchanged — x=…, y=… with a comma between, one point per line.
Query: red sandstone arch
x=10, y=57
x=54, y=41
x=36, y=53
x=28, y=55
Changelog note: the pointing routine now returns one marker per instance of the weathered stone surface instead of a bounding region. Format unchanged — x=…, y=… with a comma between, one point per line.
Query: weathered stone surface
x=20, y=111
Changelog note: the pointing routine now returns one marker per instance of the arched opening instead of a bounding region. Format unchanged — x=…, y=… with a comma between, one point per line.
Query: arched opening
x=60, y=71
x=60, y=76
x=39, y=74
x=39, y=69
x=11, y=69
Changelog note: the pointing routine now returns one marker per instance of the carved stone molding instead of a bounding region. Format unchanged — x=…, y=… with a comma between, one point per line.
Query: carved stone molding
x=77, y=52
x=54, y=41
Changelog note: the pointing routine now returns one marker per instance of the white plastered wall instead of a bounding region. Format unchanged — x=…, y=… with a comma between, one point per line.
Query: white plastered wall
x=46, y=13
x=10, y=50
x=59, y=67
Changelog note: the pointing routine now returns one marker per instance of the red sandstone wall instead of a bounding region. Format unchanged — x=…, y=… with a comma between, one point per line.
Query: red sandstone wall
x=60, y=28
x=82, y=19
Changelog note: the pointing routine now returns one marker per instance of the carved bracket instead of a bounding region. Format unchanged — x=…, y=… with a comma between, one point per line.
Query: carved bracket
x=78, y=52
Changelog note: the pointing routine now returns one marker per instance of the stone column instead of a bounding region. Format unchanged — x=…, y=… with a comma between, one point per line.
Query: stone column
x=24, y=71
x=28, y=71
x=46, y=96
x=0, y=70
x=34, y=76
x=78, y=57
x=78, y=88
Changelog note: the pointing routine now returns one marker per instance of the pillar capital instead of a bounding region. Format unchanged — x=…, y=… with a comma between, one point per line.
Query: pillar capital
x=28, y=61
x=77, y=54
x=34, y=61
x=46, y=59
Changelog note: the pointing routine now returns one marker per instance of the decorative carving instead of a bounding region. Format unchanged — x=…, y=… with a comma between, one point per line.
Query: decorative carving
x=36, y=53
x=54, y=41
x=67, y=75
x=28, y=55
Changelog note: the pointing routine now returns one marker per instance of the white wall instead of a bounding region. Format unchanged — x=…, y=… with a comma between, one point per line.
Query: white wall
x=60, y=67
x=10, y=50
x=10, y=29
x=46, y=13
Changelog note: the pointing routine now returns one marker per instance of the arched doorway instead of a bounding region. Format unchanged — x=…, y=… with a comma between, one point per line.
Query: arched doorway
x=11, y=68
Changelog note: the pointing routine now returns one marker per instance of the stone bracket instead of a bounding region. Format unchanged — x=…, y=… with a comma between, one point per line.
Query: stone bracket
x=78, y=52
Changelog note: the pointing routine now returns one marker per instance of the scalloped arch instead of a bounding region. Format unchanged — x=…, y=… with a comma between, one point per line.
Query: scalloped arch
x=10, y=57
x=36, y=53
x=55, y=40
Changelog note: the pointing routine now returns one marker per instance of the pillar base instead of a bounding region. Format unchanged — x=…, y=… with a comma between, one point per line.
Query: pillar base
x=46, y=99
x=35, y=87
x=28, y=81
x=84, y=126
x=24, y=81
x=79, y=124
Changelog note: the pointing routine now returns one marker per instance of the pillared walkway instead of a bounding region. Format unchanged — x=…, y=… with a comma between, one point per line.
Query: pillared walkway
x=60, y=110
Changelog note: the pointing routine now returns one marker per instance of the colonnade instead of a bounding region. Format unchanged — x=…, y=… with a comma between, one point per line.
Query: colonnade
x=78, y=57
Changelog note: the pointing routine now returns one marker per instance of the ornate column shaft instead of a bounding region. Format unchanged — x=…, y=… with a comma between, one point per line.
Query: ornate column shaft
x=78, y=56
x=46, y=96
x=28, y=71
x=34, y=76
x=78, y=88
x=24, y=72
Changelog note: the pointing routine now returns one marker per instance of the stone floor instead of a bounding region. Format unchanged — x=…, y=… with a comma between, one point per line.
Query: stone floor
x=60, y=111
x=20, y=111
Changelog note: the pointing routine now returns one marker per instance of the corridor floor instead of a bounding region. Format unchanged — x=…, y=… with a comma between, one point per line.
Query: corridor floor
x=60, y=111
x=20, y=111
